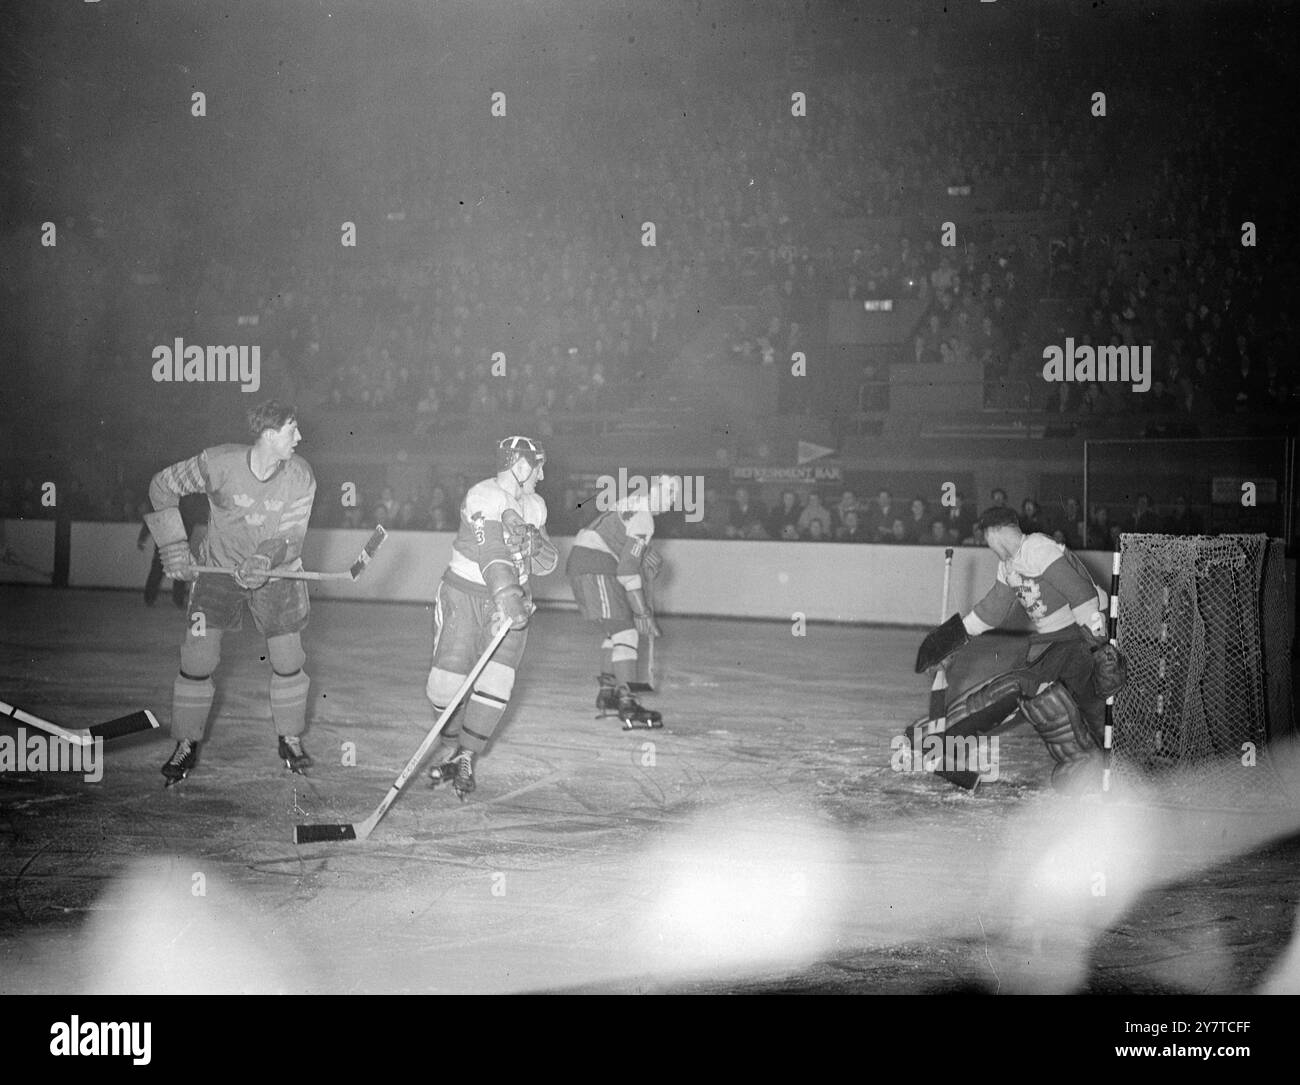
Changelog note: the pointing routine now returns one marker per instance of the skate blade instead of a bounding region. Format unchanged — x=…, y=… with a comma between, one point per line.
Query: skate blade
x=170, y=782
x=655, y=725
x=299, y=771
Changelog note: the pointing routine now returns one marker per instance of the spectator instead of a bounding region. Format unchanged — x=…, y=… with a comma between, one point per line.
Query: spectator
x=848, y=503
x=938, y=535
x=815, y=510
x=918, y=522
x=784, y=514
x=1145, y=520
x=816, y=532
x=999, y=498
x=850, y=529
x=959, y=520
x=746, y=521
x=880, y=526
x=1183, y=521
x=717, y=518
x=1031, y=519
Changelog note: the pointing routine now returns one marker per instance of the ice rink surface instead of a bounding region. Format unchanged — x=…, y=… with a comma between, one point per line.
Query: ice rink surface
x=761, y=841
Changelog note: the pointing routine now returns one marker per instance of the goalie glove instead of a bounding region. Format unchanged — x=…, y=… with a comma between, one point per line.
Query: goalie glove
x=642, y=616
x=942, y=642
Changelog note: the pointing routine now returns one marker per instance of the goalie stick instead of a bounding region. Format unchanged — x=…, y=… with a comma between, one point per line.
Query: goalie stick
x=938, y=721
x=368, y=551
x=311, y=834
x=85, y=736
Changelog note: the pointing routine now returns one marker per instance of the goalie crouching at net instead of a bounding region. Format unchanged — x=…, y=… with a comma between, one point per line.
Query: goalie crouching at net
x=1070, y=668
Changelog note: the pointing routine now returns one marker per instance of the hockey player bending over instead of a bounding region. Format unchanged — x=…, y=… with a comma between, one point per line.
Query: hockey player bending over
x=501, y=541
x=1069, y=669
x=260, y=499
x=607, y=566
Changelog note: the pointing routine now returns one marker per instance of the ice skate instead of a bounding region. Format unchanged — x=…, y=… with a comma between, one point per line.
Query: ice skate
x=458, y=771
x=444, y=762
x=295, y=758
x=616, y=700
x=183, y=758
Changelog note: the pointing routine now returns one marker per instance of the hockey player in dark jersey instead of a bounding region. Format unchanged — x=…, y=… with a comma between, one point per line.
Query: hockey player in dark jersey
x=500, y=543
x=260, y=499
x=608, y=564
x=1055, y=689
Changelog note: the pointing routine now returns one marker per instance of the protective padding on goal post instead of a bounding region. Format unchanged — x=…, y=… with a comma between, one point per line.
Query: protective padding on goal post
x=1205, y=626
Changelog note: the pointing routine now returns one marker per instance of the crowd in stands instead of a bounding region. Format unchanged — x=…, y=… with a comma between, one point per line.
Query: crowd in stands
x=923, y=520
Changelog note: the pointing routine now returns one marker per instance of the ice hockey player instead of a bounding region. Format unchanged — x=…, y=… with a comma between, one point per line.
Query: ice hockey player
x=260, y=499
x=1070, y=668
x=500, y=543
x=610, y=559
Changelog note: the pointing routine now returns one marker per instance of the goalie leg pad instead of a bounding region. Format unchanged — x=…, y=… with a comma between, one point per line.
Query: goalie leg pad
x=1056, y=718
x=990, y=705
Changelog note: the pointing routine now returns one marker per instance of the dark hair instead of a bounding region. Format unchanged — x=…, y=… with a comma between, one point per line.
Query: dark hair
x=998, y=516
x=270, y=415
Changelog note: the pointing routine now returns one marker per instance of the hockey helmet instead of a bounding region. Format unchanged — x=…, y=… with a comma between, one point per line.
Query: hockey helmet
x=510, y=450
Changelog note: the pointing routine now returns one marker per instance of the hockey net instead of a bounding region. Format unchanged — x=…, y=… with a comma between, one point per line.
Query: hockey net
x=1206, y=714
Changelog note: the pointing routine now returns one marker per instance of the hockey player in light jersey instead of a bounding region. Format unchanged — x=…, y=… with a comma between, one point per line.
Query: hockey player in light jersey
x=260, y=499
x=501, y=542
x=1069, y=671
x=607, y=565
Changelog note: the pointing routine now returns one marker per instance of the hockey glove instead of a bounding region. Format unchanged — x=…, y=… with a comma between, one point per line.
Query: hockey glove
x=252, y=571
x=651, y=563
x=1109, y=670
x=512, y=606
x=176, y=559
x=642, y=616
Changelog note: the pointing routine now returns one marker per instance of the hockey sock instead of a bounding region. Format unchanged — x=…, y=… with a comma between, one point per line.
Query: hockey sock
x=289, y=702
x=623, y=653
x=191, y=703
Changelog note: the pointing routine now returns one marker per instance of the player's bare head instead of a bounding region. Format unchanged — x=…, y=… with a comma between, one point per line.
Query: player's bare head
x=1001, y=528
x=270, y=415
x=523, y=458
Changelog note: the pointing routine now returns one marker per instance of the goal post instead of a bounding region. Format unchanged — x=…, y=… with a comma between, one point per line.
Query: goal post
x=1205, y=625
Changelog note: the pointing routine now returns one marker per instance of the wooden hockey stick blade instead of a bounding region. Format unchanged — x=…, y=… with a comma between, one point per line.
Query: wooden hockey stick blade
x=317, y=834
x=368, y=551
x=85, y=736
x=132, y=724
x=964, y=779
x=306, y=834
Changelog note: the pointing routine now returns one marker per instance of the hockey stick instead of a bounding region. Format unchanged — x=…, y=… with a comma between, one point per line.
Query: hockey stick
x=85, y=736
x=938, y=724
x=311, y=834
x=368, y=551
x=8, y=557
